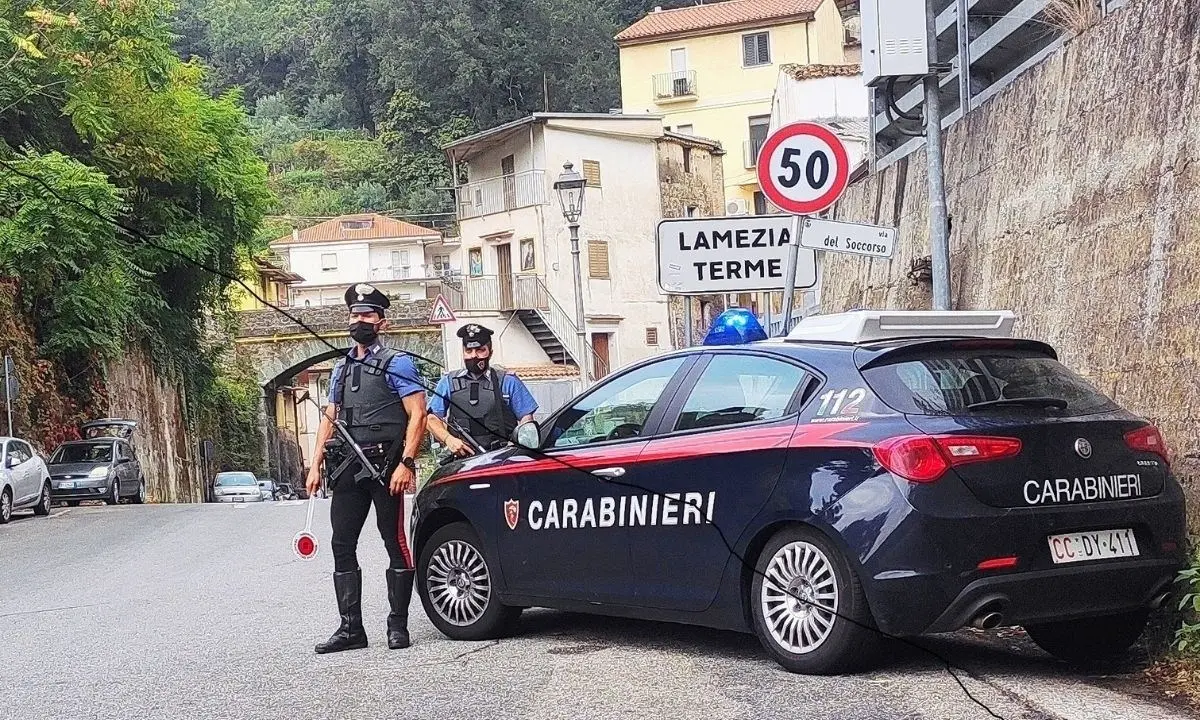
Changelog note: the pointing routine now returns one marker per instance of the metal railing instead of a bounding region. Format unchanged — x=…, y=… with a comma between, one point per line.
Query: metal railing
x=672, y=85
x=509, y=293
x=750, y=150
x=501, y=194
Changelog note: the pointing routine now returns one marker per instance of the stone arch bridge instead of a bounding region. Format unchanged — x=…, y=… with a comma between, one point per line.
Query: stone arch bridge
x=278, y=349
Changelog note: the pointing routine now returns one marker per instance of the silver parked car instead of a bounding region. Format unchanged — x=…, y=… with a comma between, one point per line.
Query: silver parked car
x=236, y=487
x=24, y=480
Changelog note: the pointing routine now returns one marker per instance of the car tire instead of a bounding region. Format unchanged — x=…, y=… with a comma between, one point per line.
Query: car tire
x=140, y=497
x=6, y=506
x=457, y=587
x=1090, y=641
x=836, y=637
x=114, y=497
x=44, y=502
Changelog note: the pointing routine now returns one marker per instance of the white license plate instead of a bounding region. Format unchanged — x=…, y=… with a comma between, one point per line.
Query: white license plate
x=1097, y=545
x=68, y=485
x=239, y=499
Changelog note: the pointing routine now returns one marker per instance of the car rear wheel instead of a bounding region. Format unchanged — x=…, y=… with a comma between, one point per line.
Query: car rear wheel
x=5, y=506
x=457, y=588
x=115, y=496
x=140, y=498
x=808, y=606
x=43, y=506
x=1089, y=641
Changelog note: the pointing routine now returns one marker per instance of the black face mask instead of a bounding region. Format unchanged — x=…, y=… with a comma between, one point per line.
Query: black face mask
x=364, y=333
x=477, y=366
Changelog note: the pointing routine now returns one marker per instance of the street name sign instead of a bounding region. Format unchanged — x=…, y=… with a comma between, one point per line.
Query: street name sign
x=803, y=168
x=851, y=238
x=747, y=253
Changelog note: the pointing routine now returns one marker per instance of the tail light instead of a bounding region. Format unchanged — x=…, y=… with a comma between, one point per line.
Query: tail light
x=925, y=458
x=1147, y=439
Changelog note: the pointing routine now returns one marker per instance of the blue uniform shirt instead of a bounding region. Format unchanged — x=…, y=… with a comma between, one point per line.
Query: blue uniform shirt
x=520, y=400
x=402, y=375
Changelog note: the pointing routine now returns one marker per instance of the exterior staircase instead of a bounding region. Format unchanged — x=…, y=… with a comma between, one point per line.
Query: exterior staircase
x=546, y=338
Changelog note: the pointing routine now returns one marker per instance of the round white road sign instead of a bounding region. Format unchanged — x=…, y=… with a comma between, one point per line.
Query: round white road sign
x=803, y=168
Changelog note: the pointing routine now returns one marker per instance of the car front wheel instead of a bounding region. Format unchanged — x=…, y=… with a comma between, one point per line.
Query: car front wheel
x=457, y=588
x=1090, y=641
x=6, y=506
x=44, y=502
x=808, y=606
x=114, y=497
x=140, y=498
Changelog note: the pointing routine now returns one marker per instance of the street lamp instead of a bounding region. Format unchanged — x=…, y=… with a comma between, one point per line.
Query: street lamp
x=570, y=186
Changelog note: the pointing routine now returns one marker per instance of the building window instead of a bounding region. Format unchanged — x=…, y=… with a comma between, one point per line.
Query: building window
x=652, y=336
x=598, y=259
x=328, y=261
x=756, y=49
x=691, y=211
x=687, y=160
x=441, y=263
x=760, y=125
x=591, y=172
x=685, y=130
x=356, y=224
x=760, y=203
x=404, y=297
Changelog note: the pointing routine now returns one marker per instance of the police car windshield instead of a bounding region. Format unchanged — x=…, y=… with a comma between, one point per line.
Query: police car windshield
x=235, y=480
x=83, y=452
x=969, y=382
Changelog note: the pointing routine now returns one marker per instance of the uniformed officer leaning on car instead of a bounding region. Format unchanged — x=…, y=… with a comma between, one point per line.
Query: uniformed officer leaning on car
x=380, y=399
x=484, y=400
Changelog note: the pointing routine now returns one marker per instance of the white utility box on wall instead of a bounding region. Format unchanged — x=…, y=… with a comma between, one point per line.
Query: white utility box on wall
x=894, y=40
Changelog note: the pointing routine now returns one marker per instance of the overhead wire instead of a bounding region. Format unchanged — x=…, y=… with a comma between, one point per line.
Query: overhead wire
x=348, y=356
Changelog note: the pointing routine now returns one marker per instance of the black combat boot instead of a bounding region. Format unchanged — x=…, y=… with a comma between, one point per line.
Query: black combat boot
x=350, y=635
x=400, y=586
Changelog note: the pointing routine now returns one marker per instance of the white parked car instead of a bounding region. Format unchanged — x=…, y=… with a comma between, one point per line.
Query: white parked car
x=236, y=487
x=24, y=479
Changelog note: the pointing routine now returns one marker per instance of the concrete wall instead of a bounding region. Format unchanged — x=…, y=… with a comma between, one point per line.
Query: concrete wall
x=1075, y=198
x=728, y=94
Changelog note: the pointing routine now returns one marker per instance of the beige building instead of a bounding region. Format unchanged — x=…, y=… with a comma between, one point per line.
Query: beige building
x=516, y=244
x=710, y=70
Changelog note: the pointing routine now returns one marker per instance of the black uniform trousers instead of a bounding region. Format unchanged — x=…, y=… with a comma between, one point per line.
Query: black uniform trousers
x=348, y=513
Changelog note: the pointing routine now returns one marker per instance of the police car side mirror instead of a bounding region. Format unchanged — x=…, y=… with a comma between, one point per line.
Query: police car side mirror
x=528, y=435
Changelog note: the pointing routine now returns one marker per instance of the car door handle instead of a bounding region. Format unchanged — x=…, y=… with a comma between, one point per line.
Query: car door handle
x=609, y=473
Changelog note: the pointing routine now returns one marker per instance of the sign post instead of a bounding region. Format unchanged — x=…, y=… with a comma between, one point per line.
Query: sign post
x=11, y=388
x=803, y=168
x=441, y=314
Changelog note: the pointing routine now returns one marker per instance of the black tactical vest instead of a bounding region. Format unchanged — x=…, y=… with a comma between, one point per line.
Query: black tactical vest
x=480, y=407
x=371, y=411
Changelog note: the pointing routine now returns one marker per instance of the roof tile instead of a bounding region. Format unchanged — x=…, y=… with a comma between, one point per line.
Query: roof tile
x=374, y=227
x=715, y=15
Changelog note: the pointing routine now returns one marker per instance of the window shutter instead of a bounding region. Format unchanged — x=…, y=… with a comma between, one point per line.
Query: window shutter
x=598, y=259
x=764, y=50
x=591, y=172
x=749, y=50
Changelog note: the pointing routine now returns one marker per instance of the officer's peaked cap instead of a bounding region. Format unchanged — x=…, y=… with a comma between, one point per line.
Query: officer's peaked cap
x=366, y=298
x=474, y=335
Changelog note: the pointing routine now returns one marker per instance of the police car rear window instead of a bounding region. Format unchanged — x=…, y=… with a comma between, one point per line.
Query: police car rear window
x=981, y=382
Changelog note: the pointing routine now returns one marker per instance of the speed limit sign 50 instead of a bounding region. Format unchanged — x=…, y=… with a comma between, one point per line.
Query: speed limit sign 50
x=803, y=168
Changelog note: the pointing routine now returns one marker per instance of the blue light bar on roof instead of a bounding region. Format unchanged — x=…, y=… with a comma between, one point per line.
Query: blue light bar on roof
x=736, y=326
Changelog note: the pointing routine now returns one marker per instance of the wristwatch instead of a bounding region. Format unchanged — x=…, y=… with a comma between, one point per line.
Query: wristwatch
x=409, y=463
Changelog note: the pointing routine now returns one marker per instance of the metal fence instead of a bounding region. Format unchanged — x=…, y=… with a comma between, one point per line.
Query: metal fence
x=500, y=194
x=675, y=85
x=995, y=41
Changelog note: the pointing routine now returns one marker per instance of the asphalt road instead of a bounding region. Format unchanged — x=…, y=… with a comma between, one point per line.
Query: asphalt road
x=177, y=612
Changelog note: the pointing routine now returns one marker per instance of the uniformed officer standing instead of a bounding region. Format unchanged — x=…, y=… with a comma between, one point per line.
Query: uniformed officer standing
x=379, y=397
x=485, y=400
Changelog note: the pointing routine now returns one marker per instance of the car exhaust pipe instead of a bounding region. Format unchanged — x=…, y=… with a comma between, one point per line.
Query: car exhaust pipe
x=987, y=620
x=1160, y=600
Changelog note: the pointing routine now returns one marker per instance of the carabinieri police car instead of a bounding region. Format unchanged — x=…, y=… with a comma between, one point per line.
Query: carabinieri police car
x=872, y=473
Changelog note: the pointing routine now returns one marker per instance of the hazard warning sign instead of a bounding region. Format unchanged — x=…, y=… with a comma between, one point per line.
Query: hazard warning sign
x=441, y=312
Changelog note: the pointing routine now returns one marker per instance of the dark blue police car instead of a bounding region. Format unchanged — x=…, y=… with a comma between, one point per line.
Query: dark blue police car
x=903, y=472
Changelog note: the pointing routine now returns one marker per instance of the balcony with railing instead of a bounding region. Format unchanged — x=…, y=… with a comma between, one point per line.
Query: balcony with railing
x=750, y=150
x=501, y=194
x=675, y=86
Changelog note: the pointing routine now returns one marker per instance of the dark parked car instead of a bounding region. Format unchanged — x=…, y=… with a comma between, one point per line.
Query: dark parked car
x=101, y=467
x=911, y=472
